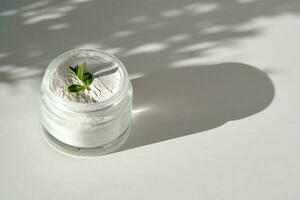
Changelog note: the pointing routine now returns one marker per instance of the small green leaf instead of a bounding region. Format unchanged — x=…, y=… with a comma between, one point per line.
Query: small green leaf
x=87, y=78
x=75, y=88
x=75, y=69
x=81, y=71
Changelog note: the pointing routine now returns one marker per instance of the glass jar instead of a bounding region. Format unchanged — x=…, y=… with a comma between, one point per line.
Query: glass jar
x=92, y=128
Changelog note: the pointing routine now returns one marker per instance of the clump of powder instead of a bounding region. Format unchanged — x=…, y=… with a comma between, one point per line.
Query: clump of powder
x=106, y=79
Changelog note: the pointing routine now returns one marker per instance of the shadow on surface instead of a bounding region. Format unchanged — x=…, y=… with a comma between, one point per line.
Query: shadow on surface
x=158, y=32
x=182, y=101
x=149, y=36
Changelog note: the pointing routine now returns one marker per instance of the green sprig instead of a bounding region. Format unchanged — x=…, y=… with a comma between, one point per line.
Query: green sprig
x=85, y=78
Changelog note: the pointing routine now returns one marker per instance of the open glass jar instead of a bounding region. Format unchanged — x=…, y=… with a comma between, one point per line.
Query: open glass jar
x=92, y=122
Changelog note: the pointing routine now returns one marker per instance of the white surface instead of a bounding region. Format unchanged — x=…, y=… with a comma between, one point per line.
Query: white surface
x=256, y=156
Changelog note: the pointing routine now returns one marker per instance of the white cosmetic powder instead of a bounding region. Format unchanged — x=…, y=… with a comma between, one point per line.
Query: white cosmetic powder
x=86, y=126
x=106, y=80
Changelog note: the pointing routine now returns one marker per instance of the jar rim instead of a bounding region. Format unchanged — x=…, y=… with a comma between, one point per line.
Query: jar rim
x=93, y=106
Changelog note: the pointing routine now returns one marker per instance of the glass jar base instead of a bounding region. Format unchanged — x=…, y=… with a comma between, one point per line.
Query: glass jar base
x=86, y=152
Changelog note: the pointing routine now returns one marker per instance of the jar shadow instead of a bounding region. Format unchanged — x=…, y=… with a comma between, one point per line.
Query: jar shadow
x=181, y=101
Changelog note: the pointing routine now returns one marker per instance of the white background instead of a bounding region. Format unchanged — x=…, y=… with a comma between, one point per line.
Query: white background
x=216, y=99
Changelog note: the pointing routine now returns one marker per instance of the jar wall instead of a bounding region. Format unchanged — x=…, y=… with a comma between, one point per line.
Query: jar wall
x=87, y=130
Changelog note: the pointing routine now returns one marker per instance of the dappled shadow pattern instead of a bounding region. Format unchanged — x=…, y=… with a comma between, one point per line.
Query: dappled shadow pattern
x=147, y=35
